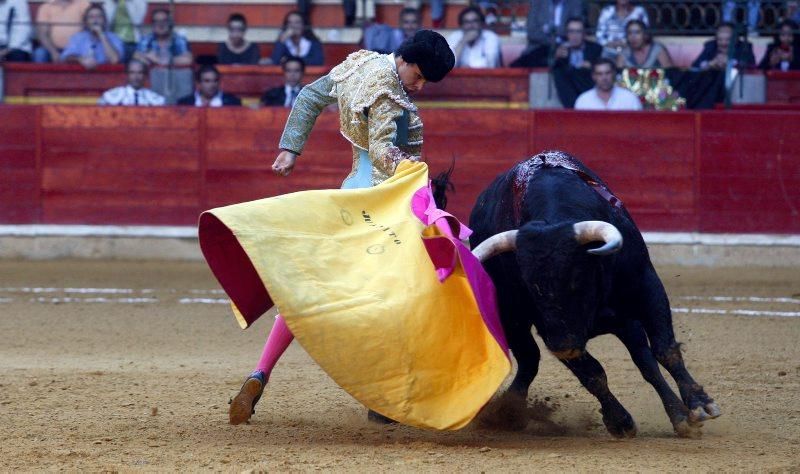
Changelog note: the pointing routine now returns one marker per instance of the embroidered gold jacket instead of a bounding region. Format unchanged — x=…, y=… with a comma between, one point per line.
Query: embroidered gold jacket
x=371, y=102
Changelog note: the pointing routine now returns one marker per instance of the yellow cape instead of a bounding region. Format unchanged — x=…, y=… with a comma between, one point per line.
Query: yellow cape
x=350, y=274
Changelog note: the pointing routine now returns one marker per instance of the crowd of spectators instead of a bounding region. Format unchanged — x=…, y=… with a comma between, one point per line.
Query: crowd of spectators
x=110, y=32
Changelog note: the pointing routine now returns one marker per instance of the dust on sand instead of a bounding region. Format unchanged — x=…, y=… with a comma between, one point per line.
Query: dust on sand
x=139, y=378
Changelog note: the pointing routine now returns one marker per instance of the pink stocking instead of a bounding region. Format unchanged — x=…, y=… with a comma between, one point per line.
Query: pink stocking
x=278, y=340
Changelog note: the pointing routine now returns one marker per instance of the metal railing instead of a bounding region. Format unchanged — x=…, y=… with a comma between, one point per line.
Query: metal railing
x=675, y=17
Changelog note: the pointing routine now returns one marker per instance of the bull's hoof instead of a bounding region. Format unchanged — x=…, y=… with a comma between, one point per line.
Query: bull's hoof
x=702, y=413
x=713, y=410
x=620, y=424
x=685, y=429
x=376, y=417
x=701, y=406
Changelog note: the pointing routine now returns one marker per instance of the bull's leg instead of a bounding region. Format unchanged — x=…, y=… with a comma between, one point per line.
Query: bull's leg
x=657, y=321
x=700, y=404
x=635, y=340
x=592, y=376
x=526, y=352
x=511, y=411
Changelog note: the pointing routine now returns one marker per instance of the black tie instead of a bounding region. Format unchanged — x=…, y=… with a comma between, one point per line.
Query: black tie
x=135, y=97
x=294, y=96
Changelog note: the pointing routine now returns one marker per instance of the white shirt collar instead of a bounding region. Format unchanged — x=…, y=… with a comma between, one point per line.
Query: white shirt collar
x=216, y=101
x=300, y=50
x=391, y=59
x=288, y=91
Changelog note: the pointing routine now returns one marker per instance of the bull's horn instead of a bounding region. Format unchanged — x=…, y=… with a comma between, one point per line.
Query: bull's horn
x=496, y=244
x=594, y=231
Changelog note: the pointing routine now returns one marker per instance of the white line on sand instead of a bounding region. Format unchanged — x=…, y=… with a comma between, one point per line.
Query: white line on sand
x=70, y=299
x=204, y=301
x=738, y=312
x=749, y=299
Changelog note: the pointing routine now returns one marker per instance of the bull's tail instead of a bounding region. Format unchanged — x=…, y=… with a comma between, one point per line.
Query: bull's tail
x=441, y=184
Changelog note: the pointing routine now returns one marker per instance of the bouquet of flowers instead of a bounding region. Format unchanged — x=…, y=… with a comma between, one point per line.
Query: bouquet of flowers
x=653, y=89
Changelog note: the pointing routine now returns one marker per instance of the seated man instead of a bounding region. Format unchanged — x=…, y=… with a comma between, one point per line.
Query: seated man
x=163, y=47
x=715, y=52
x=56, y=22
x=285, y=95
x=208, y=92
x=547, y=21
x=385, y=39
x=576, y=52
x=15, y=31
x=134, y=92
x=573, y=61
x=473, y=46
x=94, y=44
x=606, y=95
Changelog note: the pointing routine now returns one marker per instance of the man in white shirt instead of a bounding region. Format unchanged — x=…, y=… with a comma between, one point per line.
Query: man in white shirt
x=15, y=31
x=606, y=95
x=473, y=46
x=134, y=92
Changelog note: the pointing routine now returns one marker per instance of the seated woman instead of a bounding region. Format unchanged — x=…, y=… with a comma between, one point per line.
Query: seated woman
x=236, y=49
x=297, y=40
x=784, y=52
x=612, y=22
x=641, y=51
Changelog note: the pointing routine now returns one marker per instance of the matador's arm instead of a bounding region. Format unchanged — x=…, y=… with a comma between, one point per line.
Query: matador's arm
x=312, y=99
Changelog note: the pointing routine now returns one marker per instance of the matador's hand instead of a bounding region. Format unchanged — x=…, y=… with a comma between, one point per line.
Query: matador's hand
x=284, y=163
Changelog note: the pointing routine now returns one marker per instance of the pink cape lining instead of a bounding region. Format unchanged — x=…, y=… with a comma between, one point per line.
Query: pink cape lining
x=447, y=250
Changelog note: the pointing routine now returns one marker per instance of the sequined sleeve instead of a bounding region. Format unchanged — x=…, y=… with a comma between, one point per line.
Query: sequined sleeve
x=312, y=99
x=383, y=152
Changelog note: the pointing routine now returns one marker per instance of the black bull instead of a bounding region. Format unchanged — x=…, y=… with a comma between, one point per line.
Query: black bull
x=572, y=288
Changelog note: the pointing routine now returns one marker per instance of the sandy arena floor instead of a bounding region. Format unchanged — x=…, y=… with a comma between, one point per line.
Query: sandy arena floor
x=129, y=366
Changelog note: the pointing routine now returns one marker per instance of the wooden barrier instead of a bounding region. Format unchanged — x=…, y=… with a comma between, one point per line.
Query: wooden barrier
x=712, y=171
x=37, y=80
x=20, y=165
x=783, y=87
x=749, y=176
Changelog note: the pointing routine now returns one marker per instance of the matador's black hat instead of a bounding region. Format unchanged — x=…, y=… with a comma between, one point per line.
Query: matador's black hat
x=430, y=51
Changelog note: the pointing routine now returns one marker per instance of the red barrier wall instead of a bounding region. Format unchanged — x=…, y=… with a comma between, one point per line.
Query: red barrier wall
x=712, y=171
x=783, y=87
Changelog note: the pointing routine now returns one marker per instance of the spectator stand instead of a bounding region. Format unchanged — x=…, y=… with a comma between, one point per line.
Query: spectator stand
x=202, y=21
x=693, y=18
